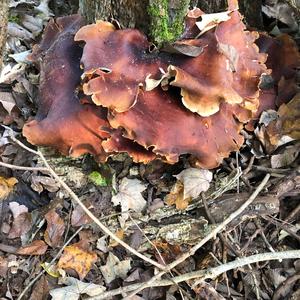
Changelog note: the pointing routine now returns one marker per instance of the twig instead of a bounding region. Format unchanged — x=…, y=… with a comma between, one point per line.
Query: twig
x=157, y=251
x=14, y=167
x=31, y=283
x=283, y=227
x=94, y=218
x=211, y=235
x=85, y=209
x=202, y=275
x=280, y=291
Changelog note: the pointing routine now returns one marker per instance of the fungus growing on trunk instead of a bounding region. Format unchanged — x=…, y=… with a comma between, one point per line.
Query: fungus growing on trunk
x=191, y=97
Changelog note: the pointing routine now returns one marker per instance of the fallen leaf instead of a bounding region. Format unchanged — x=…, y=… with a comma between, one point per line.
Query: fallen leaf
x=40, y=290
x=102, y=244
x=285, y=158
x=37, y=247
x=22, y=220
x=185, y=49
x=79, y=217
x=209, y=21
x=120, y=234
x=15, y=30
x=130, y=197
x=283, y=234
x=50, y=269
x=17, y=209
x=39, y=183
x=20, y=226
x=7, y=100
x=77, y=258
x=176, y=197
x=55, y=228
x=3, y=266
x=115, y=268
x=6, y=186
x=282, y=12
x=75, y=288
x=194, y=181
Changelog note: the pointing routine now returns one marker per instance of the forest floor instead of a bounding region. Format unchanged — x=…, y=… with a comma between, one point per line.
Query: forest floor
x=232, y=237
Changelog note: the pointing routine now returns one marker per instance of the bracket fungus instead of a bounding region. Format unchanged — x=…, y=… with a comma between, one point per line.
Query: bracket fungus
x=192, y=97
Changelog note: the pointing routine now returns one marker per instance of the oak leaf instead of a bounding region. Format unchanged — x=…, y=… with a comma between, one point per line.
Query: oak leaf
x=78, y=258
x=37, y=247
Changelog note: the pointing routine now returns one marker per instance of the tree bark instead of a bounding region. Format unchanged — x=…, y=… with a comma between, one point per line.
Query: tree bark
x=162, y=20
x=3, y=27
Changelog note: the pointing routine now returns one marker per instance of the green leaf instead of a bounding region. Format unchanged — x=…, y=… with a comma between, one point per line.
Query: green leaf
x=98, y=179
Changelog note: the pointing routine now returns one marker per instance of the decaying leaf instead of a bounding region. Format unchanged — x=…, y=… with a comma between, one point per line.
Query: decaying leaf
x=21, y=220
x=7, y=101
x=191, y=182
x=176, y=197
x=37, y=247
x=194, y=181
x=40, y=290
x=78, y=258
x=130, y=197
x=115, y=268
x=79, y=217
x=6, y=186
x=288, y=155
x=75, y=288
x=55, y=228
x=287, y=125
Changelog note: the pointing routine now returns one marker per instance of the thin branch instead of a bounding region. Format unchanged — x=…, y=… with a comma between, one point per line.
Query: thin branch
x=85, y=209
x=210, y=236
x=14, y=167
x=202, y=275
x=94, y=218
x=37, y=277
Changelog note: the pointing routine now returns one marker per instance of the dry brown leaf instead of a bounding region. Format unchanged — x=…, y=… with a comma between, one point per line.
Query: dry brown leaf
x=3, y=266
x=286, y=157
x=6, y=186
x=120, y=234
x=77, y=258
x=194, y=181
x=37, y=247
x=22, y=220
x=40, y=290
x=79, y=217
x=115, y=268
x=176, y=197
x=55, y=228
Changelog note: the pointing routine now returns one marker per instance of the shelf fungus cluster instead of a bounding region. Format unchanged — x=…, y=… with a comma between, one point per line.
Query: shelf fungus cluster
x=105, y=90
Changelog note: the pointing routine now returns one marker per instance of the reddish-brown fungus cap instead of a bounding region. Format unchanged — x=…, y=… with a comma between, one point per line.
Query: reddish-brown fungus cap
x=226, y=71
x=159, y=121
x=220, y=84
x=117, y=143
x=62, y=121
x=119, y=61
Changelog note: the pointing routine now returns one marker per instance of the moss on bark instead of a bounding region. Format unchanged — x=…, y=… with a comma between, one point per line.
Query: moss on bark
x=167, y=19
